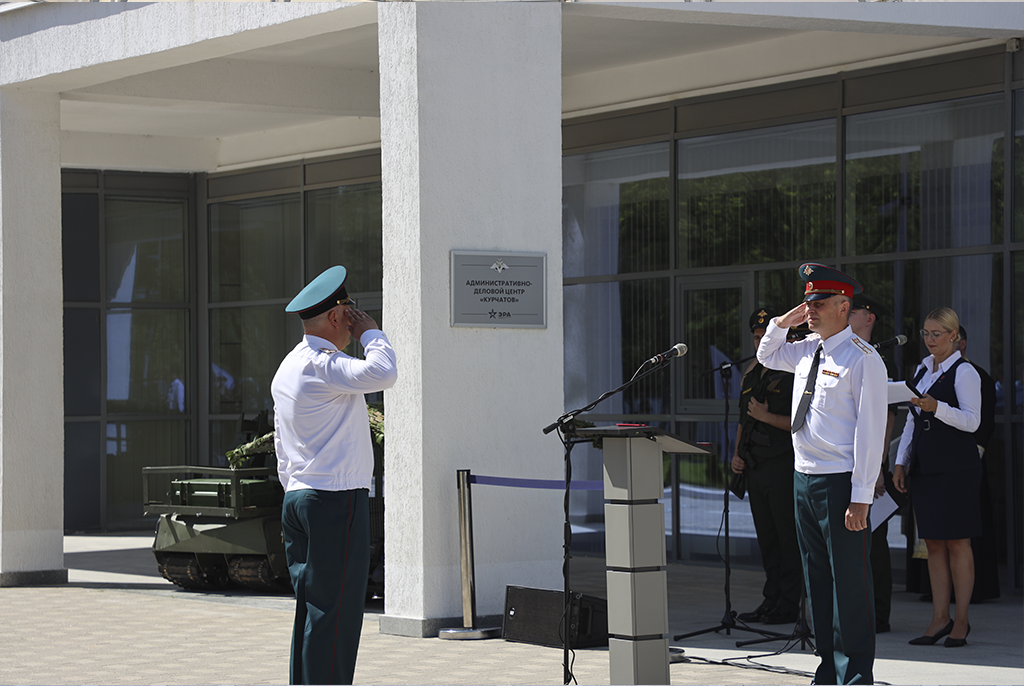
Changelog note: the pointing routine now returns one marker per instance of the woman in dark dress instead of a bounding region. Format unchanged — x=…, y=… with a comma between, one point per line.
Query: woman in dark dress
x=940, y=463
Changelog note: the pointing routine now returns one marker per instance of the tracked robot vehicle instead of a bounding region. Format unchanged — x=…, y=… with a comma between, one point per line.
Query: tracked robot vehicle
x=220, y=527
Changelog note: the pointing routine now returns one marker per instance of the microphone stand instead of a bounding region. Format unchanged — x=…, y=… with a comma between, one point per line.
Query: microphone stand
x=566, y=426
x=801, y=630
x=729, y=618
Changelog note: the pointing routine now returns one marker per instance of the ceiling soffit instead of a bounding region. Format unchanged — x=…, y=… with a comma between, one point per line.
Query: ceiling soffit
x=613, y=57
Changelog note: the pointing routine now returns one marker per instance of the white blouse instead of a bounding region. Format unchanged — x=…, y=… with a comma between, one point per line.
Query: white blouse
x=968, y=395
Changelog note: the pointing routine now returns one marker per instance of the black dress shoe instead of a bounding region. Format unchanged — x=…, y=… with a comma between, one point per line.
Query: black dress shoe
x=757, y=615
x=777, y=616
x=932, y=640
x=951, y=642
x=882, y=627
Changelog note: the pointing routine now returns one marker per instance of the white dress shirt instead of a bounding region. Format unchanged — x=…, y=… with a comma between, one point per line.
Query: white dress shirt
x=322, y=429
x=968, y=395
x=844, y=430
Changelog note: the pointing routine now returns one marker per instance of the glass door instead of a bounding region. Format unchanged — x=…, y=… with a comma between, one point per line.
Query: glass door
x=712, y=318
x=712, y=313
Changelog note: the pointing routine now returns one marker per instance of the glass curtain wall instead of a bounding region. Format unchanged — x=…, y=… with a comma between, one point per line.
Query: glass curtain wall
x=262, y=251
x=126, y=350
x=925, y=179
x=930, y=178
x=147, y=344
x=344, y=227
x=616, y=246
x=161, y=359
x=758, y=196
x=615, y=223
x=255, y=265
x=83, y=386
x=745, y=199
x=915, y=212
x=1012, y=384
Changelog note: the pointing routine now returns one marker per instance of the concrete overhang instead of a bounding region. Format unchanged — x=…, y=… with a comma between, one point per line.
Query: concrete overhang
x=246, y=83
x=634, y=53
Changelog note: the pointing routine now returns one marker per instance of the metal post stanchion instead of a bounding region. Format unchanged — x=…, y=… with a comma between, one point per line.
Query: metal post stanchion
x=469, y=629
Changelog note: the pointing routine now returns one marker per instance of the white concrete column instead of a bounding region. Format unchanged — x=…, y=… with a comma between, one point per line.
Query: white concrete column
x=471, y=157
x=31, y=341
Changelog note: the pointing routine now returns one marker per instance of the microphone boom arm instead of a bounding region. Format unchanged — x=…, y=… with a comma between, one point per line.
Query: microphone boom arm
x=566, y=419
x=567, y=429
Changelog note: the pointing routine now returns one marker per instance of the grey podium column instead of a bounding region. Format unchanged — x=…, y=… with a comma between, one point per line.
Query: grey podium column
x=635, y=550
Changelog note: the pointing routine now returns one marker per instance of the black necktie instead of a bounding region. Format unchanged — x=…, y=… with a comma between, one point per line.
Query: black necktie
x=805, y=399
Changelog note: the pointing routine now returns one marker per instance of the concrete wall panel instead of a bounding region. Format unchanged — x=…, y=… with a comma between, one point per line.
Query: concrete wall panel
x=31, y=341
x=471, y=155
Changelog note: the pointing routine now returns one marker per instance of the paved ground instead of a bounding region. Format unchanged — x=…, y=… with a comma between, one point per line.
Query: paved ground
x=117, y=622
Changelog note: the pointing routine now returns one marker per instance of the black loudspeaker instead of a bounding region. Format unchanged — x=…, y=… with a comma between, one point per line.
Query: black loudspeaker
x=534, y=615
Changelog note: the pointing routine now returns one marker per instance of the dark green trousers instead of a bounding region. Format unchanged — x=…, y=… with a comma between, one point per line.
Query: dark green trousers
x=837, y=570
x=327, y=545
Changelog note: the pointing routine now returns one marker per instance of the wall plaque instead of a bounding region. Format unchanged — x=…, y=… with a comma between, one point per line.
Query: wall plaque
x=499, y=289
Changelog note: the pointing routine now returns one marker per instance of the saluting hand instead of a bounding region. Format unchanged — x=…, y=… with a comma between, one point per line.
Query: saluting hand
x=795, y=317
x=359, y=322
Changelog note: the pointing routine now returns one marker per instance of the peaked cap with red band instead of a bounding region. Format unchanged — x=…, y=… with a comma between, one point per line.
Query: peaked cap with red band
x=824, y=282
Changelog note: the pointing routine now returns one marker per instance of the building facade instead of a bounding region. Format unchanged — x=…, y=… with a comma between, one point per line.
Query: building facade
x=185, y=167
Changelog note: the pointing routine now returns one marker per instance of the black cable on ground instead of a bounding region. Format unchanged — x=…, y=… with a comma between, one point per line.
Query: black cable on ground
x=728, y=662
x=731, y=662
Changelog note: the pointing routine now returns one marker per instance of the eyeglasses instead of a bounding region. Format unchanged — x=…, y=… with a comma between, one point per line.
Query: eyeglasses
x=932, y=334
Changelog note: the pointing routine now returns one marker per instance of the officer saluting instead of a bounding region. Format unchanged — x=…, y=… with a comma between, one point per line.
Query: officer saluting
x=838, y=423
x=325, y=463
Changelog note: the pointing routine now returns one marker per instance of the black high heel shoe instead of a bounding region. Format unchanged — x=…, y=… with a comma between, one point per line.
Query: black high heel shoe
x=951, y=642
x=932, y=640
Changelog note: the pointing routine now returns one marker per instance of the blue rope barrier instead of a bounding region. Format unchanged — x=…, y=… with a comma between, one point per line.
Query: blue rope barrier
x=536, y=483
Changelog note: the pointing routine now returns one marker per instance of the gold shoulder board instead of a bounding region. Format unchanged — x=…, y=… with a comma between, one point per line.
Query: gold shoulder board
x=864, y=347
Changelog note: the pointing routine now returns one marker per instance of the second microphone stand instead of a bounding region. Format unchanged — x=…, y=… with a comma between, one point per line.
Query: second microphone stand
x=728, y=623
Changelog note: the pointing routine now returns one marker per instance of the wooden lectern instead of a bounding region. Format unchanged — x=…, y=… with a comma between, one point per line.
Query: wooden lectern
x=635, y=548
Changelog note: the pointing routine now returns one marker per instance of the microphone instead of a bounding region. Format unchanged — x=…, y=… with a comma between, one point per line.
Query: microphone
x=900, y=339
x=677, y=350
